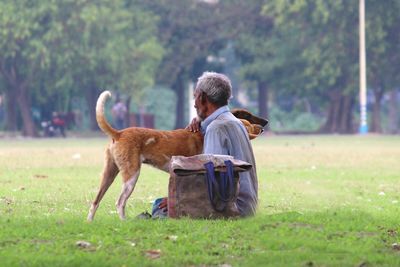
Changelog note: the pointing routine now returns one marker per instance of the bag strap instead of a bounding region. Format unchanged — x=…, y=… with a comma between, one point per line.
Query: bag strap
x=220, y=190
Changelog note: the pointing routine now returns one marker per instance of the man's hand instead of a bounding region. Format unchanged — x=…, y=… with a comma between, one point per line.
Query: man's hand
x=163, y=204
x=194, y=126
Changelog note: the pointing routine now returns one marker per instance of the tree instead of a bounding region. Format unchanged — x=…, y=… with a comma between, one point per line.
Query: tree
x=383, y=59
x=25, y=38
x=108, y=46
x=76, y=47
x=190, y=31
x=328, y=52
x=260, y=51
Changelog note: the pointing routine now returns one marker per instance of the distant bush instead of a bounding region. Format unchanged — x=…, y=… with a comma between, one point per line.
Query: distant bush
x=294, y=120
x=161, y=102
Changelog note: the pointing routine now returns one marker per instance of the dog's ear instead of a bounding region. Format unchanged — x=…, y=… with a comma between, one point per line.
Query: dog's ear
x=253, y=119
x=252, y=136
x=254, y=130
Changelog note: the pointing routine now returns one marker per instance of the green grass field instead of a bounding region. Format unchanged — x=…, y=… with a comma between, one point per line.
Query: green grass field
x=324, y=201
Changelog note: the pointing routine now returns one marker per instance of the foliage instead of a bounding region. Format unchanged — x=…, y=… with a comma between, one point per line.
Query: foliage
x=26, y=38
x=320, y=204
x=190, y=31
x=161, y=102
x=320, y=42
x=53, y=52
x=76, y=48
x=294, y=121
x=383, y=41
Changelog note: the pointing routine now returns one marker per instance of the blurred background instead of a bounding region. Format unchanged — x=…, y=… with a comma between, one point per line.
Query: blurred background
x=295, y=62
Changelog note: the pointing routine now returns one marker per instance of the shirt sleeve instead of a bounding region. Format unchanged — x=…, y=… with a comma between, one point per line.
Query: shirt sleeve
x=215, y=141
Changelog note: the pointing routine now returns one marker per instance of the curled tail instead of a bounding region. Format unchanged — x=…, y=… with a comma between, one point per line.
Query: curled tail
x=101, y=119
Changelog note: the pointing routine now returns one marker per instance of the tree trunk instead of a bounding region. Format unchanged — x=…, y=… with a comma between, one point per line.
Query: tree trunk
x=393, y=113
x=346, y=118
x=330, y=125
x=340, y=119
x=127, y=122
x=91, y=98
x=29, y=128
x=376, y=125
x=11, y=110
x=180, y=103
x=263, y=100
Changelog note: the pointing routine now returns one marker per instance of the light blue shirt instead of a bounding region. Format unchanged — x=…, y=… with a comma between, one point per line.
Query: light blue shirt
x=213, y=116
x=224, y=134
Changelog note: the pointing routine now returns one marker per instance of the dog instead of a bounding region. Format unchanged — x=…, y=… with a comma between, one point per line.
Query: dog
x=253, y=124
x=131, y=147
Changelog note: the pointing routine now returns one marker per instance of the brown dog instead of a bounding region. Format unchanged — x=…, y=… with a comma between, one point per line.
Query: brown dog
x=254, y=125
x=133, y=146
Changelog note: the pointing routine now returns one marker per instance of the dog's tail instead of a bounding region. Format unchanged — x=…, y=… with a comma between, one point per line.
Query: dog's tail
x=101, y=119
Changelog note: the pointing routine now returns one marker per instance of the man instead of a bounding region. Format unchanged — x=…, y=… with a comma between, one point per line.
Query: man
x=119, y=112
x=224, y=134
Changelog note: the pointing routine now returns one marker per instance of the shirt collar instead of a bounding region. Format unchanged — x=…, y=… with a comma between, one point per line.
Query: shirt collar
x=213, y=116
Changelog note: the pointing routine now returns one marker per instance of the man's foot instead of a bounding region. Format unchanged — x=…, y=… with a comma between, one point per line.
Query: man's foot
x=144, y=215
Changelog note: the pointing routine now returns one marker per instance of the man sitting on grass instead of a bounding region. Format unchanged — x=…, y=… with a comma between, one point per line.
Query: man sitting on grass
x=224, y=134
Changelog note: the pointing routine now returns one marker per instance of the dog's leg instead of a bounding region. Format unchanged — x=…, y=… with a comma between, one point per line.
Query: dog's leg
x=109, y=173
x=127, y=189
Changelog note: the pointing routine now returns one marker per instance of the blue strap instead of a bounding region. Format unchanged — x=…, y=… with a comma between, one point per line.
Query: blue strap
x=210, y=180
x=220, y=190
x=229, y=186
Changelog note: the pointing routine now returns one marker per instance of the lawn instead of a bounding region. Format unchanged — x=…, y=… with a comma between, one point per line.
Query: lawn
x=324, y=201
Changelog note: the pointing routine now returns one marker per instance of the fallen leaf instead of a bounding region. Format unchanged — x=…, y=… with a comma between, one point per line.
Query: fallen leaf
x=7, y=200
x=224, y=245
x=83, y=244
x=172, y=237
x=21, y=188
x=40, y=176
x=153, y=253
x=396, y=246
x=76, y=156
x=392, y=232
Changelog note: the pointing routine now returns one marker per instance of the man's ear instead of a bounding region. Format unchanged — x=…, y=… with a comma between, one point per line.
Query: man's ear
x=203, y=98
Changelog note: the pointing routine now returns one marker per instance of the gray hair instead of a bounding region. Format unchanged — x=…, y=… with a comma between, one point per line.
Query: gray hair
x=216, y=86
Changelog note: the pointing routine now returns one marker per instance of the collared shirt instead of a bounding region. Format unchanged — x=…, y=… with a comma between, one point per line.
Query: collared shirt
x=213, y=116
x=224, y=134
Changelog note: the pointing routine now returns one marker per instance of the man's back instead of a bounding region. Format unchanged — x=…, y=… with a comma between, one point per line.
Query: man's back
x=226, y=135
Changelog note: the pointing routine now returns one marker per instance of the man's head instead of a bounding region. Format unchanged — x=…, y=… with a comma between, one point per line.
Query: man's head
x=213, y=90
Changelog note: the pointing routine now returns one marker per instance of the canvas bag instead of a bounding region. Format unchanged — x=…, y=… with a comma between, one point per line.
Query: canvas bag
x=190, y=186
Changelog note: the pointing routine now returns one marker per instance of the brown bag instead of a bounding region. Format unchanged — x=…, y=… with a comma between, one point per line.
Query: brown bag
x=192, y=193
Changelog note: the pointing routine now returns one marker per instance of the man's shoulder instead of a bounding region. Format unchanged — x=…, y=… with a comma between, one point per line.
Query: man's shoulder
x=225, y=120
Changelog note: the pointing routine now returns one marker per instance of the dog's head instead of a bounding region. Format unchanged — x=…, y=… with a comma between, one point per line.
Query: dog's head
x=254, y=125
x=246, y=115
x=254, y=130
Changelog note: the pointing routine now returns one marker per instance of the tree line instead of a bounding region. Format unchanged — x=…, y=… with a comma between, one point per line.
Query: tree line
x=52, y=50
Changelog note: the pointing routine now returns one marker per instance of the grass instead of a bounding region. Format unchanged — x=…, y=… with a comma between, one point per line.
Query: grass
x=324, y=201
